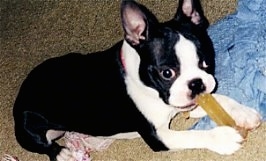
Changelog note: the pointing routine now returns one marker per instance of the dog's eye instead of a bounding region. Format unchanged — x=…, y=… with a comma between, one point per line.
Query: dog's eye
x=168, y=74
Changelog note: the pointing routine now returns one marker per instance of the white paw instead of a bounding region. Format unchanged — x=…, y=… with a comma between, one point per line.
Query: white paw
x=224, y=140
x=65, y=155
x=246, y=117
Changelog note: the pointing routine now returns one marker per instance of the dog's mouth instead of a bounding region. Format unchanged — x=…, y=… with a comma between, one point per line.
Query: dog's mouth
x=185, y=104
x=187, y=107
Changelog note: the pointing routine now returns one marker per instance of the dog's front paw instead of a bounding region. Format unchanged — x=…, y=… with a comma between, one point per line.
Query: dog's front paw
x=224, y=140
x=246, y=117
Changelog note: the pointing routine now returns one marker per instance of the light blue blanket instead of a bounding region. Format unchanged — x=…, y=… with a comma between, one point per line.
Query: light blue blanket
x=240, y=47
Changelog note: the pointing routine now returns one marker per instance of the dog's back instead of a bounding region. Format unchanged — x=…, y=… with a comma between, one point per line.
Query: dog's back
x=75, y=90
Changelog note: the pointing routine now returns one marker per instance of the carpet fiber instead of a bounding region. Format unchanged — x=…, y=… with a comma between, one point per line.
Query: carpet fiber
x=32, y=31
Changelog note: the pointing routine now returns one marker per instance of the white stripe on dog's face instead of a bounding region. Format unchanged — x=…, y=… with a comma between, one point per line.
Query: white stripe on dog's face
x=180, y=94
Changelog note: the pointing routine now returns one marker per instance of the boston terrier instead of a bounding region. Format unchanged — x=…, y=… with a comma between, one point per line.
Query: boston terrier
x=131, y=90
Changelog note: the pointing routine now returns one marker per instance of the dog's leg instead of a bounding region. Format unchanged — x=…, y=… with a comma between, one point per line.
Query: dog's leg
x=34, y=135
x=223, y=140
x=243, y=115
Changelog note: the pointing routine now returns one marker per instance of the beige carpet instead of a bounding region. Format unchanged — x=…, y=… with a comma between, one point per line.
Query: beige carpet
x=32, y=31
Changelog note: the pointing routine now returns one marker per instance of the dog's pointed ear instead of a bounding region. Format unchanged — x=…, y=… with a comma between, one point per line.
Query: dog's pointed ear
x=191, y=11
x=136, y=20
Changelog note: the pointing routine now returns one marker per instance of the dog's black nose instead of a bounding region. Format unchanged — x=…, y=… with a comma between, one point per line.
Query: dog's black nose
x=196, y=86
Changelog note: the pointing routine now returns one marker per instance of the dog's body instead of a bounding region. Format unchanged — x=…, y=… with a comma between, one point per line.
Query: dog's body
x=135, y=88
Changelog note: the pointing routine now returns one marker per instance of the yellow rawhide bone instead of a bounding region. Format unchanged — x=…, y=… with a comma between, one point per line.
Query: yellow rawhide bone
x=217, y=113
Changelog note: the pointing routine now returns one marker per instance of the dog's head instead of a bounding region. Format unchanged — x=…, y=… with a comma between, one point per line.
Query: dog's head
x=175, y=58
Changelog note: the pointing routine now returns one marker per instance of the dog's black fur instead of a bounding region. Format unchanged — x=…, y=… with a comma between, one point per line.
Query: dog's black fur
x=88, y=93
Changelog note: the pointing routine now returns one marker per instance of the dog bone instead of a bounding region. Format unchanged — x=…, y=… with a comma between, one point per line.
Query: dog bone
x=218, y=114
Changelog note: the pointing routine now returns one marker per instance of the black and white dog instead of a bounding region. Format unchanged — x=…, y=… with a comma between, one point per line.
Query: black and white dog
x=133, y=89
